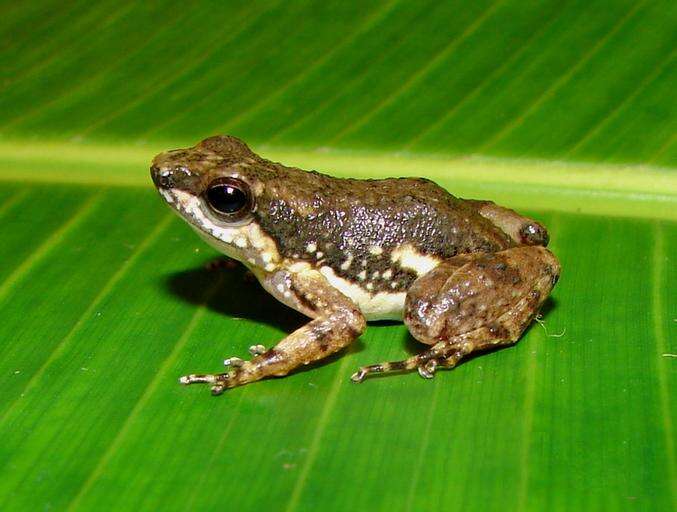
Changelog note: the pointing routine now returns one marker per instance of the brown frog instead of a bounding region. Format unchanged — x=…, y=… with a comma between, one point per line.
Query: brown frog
x=463, y=275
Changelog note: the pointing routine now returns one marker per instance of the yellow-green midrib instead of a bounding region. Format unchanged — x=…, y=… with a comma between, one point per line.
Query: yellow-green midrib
x=629, y=191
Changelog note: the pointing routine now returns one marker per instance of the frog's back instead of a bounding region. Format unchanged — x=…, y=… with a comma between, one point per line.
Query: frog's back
x=365, y=229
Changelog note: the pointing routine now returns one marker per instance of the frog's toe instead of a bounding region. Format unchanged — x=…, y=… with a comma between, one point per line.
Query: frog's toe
x=425, y=363
x=220, y=381
x=257, y=350
x=427, y=369
x=218, y=389
x=394, y=366
x=359, y=375
x=234, y=362
x=195, y=378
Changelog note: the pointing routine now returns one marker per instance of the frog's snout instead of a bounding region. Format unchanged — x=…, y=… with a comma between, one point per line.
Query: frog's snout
x=161, y=178
x=175, y=177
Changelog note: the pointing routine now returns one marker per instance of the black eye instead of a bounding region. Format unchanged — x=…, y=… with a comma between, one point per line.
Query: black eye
x=229, y=197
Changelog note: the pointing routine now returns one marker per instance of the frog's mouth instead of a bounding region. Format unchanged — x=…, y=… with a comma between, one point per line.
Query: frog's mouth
x=190, y=208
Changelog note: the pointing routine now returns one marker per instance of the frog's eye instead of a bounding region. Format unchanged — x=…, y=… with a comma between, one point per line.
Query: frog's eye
x=229, y=197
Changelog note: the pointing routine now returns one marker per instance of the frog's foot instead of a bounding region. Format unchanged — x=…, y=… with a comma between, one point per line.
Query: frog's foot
x=337, y=324
x=219, y=381
x=392, y=366
x=445, y=355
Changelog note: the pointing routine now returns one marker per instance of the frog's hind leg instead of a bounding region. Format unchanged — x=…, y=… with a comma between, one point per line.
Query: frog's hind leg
x=448, y=353
x=470, y=303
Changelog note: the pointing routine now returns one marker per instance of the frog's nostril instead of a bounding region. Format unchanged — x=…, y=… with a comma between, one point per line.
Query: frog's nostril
x=161, y=177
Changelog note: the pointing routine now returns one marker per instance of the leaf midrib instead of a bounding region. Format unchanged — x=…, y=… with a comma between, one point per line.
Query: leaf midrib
x=610, y=189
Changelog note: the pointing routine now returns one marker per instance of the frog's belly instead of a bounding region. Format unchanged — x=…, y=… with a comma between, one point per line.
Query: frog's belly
x=374, y=306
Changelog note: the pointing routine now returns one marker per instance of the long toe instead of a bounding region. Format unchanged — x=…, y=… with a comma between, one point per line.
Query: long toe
x=359, y=375
x=218, y=389
x=197, y=379
x=427, y=370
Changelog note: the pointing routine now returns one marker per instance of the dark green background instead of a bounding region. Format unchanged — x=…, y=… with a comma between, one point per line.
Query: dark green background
x=574, y=80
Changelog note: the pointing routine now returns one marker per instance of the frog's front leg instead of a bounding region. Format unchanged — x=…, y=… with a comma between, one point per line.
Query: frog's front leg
x=473, y=302
x=336, y=323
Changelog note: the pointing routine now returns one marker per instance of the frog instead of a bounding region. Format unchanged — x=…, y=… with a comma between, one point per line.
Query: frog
x=463, y=275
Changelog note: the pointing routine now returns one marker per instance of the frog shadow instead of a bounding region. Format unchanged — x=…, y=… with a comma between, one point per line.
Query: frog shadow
x=239, y=295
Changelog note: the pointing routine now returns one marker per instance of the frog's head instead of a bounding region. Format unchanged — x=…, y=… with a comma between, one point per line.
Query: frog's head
x=214, y=186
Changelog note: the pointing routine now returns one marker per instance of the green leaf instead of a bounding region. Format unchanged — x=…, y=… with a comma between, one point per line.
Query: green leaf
x=564, y=111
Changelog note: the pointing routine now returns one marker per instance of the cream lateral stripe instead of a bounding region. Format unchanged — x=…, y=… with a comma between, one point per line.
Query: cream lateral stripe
x=379, y=306
x=409, y=258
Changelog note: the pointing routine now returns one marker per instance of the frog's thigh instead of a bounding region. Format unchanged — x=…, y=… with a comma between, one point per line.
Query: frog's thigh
x=481, y=294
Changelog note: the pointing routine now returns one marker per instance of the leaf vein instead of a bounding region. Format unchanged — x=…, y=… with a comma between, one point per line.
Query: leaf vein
x=550, y=91
x=56, y=237
x=367, y=24
x=418, y=75
x=317, y=438
x=488, y=79
x=602, y=122
x=143, y=399
x=13, y=200
x=108, y=286
x=425, y=441
x=659, y=257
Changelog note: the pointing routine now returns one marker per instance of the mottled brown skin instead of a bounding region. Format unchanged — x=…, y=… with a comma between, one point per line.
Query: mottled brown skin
x=473, y=302
x=491, y=271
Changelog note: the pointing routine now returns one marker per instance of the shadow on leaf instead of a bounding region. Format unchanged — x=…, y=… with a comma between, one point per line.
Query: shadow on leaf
x=239, y=295
x=236, y=296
